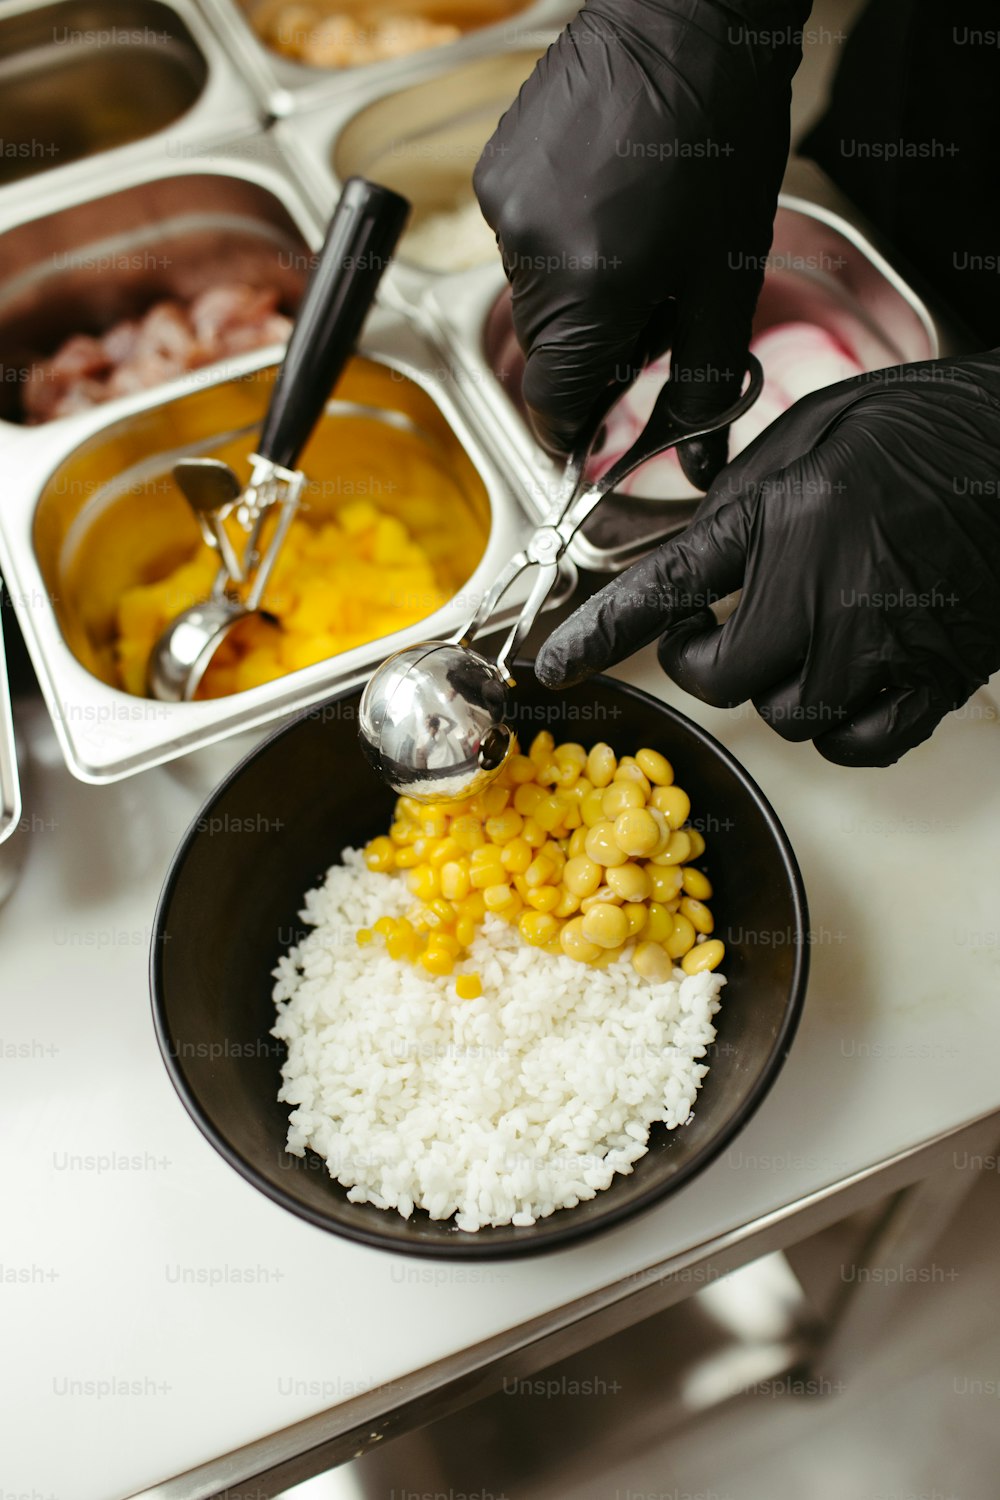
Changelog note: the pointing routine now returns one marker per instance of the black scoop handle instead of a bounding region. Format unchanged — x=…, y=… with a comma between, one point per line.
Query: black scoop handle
x=363, y=233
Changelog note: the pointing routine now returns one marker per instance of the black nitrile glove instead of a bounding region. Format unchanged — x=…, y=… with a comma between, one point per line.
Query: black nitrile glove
x=864, y=529
x=632, y=186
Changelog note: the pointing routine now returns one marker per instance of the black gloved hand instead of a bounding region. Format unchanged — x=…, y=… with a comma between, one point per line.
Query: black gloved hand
x=864, y=529
x=641, y=163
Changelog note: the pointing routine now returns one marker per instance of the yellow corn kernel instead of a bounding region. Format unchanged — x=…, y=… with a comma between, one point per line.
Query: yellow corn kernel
x=575, y=944
x=468, y=986
x=408, y=807
x=443, y=911
x=604, y=896
x=487, y=875
x=543, y=897
x=582, y=875
x=465, y=931
x=519, y=770
x=572, y=818
x=408, y=857
x=541, y=748
x=472, y=906
x=402, y=941
x=455, y=881
x=605, y=957
x=571, y=753
x=664, y=881
x=629, y=770
x=537, y=928
x=516, y=856
x=443, y=852
x=533, y=834
x=629, y=881
x=380, y=854
x=681, y=940
x=697, y=843
x=602, y=846
x=676, y=852
x=494, y=800
x=698, y=915
x=581, y=786
x=522, y=887
x=552, y=849
x=664, y=829
x=659, y=923
x=550, y=812
x=601, y=765
x=498, y=896
x=385, y=925
x=527, y=798
x=674, y=803
x=694, y=882
x=403, y=833
x=592, y=808
x=568, y=904
x=540, y=871
x=655, y=767
x=577, y=842
x=636, y=832
x=424, y=882
x=504, y=826
x=568, y=774
x=363, y=937
x=547, y=774
x=637, y=915
x=434, y=823
x=650, y=960
x=444, y=942
x=619, y=797
x=703, y=956
x=437, y=961
x=468, y=833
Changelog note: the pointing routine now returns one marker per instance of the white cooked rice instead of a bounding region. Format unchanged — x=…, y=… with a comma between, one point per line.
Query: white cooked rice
x=497, y=1110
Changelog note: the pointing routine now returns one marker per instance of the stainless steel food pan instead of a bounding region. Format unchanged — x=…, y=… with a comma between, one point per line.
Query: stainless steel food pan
x=73, y=473
x=89, y=85
x=820, y=270
x=83, y=266
x=422, y=140
x=284, y=85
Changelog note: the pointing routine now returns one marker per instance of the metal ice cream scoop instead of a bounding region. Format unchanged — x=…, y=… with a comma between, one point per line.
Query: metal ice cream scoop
x=363, y=232
x=433, y=717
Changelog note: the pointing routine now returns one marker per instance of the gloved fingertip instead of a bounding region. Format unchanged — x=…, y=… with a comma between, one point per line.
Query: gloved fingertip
x=554, y=436
x=703, y=458
x=853, y=750
x=552, y=668
x=892, y=725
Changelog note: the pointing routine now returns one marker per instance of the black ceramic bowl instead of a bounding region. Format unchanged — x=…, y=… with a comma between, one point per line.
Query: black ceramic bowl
x=266, y=835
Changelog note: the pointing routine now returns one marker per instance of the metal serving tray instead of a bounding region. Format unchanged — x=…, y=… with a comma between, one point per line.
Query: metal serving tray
x=63, y=485
x=89, y=86
x=284, y=86
x=820, y=270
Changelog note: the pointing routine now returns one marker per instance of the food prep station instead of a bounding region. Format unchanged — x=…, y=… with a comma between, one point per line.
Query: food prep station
x=232, y=156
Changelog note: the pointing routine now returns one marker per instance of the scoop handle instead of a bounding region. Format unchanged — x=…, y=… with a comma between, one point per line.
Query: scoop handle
x=363, y=233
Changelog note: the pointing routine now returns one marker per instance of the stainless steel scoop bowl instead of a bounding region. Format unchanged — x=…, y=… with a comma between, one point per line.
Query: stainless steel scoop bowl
x=433, y=718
